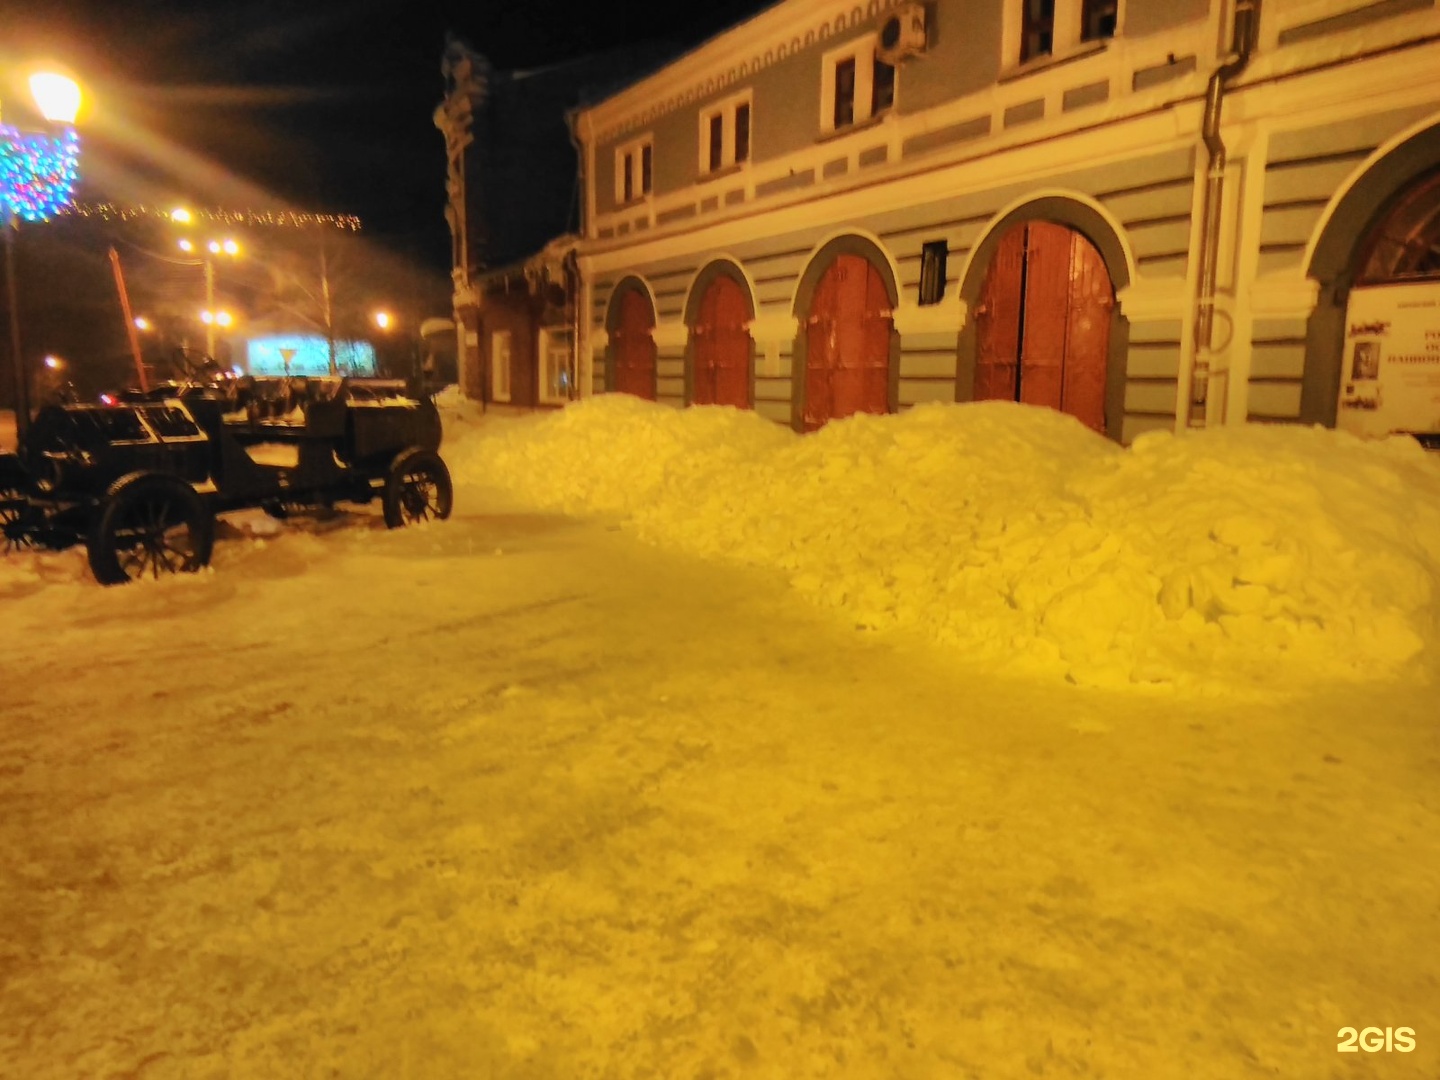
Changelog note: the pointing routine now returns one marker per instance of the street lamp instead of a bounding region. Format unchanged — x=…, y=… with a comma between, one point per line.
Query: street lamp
x=37, y=177
x=210, y=317
x=383, y=320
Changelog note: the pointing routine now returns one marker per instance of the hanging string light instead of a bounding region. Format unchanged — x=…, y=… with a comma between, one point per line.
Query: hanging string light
x=38, y=172
x=280, y=218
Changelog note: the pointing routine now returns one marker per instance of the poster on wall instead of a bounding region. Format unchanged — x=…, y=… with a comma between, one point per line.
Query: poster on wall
x=1390, y=378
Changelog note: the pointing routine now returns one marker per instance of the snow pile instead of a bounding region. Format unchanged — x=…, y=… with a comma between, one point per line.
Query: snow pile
x=1250, y=555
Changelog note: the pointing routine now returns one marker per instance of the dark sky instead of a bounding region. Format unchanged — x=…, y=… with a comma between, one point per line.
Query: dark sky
x=319, y=104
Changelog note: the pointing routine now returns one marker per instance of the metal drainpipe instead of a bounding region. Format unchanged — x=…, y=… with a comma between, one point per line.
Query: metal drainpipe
x=1247, y=17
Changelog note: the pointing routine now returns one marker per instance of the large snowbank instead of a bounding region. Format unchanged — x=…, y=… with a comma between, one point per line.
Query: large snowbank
x=1264, y=556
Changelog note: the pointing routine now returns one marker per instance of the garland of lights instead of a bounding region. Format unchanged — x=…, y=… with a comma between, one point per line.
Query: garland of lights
x=37, y=172
x=287, y=218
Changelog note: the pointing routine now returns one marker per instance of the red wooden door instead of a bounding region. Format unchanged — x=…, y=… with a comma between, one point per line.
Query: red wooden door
x=634, y=347
x=847, y=367
x=722, y=347
x=1043, y=322
x=1087, y=342
x=997, y=321
x=1047, y=292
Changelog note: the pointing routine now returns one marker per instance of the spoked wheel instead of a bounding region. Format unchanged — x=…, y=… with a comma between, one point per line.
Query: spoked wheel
x=417, y=489
x=14, y=533
x=150, y=525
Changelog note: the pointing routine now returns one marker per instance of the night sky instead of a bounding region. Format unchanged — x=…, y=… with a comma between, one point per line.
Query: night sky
x=319, y=104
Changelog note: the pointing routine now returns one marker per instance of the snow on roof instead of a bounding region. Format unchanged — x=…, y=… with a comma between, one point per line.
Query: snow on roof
x=1263, y=557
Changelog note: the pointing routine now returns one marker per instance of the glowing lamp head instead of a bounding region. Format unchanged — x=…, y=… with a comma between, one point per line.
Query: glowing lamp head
x=224, y=318
x=142, y=323
x=230, y=247
x=214, y=247
x=186, y=245
x=57, y=96
x=54, y=363
x=207, y=317
x=181, y=216
x=383, y=320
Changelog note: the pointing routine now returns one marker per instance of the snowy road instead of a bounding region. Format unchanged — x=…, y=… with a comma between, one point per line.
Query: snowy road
x=519, y=797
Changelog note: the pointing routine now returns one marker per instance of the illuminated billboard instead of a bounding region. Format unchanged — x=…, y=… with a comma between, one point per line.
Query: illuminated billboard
x=307, y=354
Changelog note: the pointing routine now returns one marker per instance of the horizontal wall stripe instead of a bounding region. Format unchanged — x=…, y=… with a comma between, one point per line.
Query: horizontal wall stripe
x=1318, y=182
x=930, y=341
x=1153, y=361
x=1279, y=330
x=1275, y=399
x=838, y=167
x=1280, y=163
x=1350, y=20
x=1145, y=78
x=875, y=155
x=1272, y=262
x=1163, y=266
x=1157, y=396
x=1171, y=237
x=1340, y=139
x=1159, y=331
x=1288, y=225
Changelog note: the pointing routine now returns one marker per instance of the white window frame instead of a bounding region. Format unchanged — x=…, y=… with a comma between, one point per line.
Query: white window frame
x=727, y=111
x=500, y=360
x=1066, y=39
x=862, y=50
x=634, y=150
x=549, y=339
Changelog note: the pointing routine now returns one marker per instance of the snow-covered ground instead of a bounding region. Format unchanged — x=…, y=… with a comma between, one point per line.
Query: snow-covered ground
x=633, y=794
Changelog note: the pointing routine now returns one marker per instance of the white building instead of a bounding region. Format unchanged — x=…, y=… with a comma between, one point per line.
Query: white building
x=1147, y=213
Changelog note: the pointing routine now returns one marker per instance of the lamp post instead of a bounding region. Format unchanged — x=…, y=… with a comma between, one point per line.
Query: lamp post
x=209, y=316
x=37, y=176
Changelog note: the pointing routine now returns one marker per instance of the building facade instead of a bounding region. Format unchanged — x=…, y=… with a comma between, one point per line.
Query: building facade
x=1150, y=214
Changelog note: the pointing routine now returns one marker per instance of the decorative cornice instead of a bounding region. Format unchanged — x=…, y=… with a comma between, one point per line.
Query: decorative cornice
x=947, y=316
x=1150, y=301
x=1284, y=296
x=728, y=62
x=781, y=327
x=670, y=335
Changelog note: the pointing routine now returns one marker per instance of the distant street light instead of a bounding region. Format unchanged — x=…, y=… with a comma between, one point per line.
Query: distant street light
x=209, y=316
x=54, y=363
x=181, y=216
x=142, y=323
x=43, y=182
x=383, y=320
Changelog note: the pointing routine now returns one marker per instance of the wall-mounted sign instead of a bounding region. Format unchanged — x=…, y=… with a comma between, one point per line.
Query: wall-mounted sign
x=1390, y=379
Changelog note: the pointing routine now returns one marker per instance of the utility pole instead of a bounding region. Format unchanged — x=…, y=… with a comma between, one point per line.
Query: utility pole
x=325, y=302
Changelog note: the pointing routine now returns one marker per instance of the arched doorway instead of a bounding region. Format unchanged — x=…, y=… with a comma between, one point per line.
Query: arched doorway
x=1390, y=367
x=1043, y=322
x=722, y=349
x=847, y=338
x=632, y=345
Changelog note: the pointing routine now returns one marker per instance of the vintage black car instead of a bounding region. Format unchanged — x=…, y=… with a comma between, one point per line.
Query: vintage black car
x=140, y=480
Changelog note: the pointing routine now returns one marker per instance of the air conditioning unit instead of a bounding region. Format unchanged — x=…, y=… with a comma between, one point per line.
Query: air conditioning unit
x=902, y=33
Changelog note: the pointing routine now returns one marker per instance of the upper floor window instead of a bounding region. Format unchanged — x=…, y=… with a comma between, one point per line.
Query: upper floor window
x=725, y=134
x=634, y=170
x=1054, y=27
x=855, y=85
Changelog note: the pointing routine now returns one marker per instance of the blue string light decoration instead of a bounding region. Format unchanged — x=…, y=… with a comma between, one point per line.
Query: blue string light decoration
x=37, y=172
